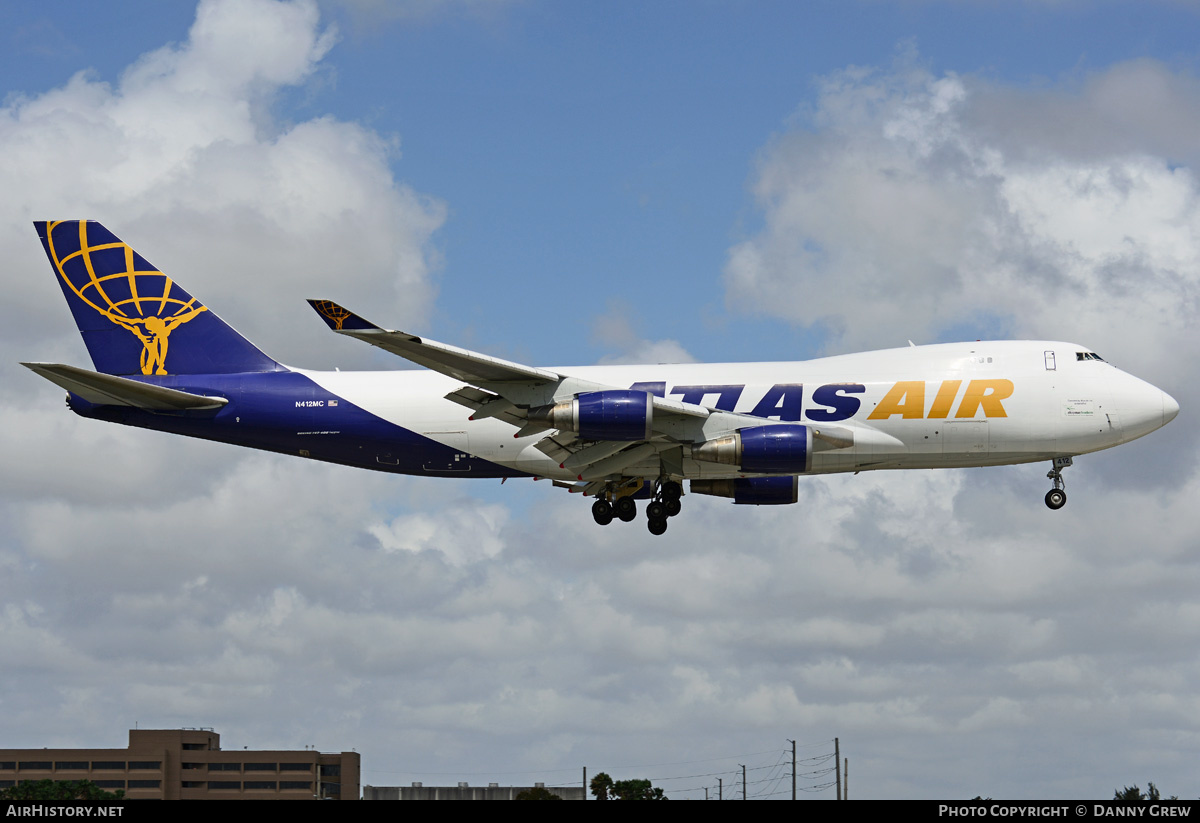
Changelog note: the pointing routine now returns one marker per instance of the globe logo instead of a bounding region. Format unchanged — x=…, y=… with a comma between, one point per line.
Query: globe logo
x=109, y=276
x=332, y=312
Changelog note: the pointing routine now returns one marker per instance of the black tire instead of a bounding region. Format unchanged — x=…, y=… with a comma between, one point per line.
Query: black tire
x=626, y=509
x=656, y=527
x=602, y=512
x=656, y=511
x=673, y=507
x=672, y=490
x=1056, y=499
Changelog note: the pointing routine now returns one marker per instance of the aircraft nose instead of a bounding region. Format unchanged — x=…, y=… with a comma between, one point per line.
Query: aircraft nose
x=1170, y=408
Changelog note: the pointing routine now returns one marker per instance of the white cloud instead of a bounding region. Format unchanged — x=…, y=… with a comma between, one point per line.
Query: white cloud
x=910, y=205
x=615, y=329
x=185, y=159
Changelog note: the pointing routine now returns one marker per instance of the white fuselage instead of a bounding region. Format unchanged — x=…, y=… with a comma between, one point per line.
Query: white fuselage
x=940, y=406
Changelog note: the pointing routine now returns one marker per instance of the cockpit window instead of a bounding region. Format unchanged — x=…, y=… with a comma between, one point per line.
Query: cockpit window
x=1088, y=355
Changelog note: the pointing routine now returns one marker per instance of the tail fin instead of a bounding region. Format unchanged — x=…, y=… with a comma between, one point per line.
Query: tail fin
x=133, y=318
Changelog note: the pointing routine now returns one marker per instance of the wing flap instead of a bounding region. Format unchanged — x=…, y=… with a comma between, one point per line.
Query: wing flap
x=615, y=463
x=556, y=447
x=110, y=390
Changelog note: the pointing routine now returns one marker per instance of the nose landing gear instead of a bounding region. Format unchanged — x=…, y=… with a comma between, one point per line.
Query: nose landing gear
x=1056, y=498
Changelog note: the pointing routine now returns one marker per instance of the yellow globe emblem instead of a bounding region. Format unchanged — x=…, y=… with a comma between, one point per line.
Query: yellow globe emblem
x=335, y=313
x=107, y=277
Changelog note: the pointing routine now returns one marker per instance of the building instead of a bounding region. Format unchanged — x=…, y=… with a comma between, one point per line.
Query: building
x=188, y=764
x=493, y=791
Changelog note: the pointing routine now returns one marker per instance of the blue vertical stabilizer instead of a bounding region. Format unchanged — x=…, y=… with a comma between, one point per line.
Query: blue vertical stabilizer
x=134, y=319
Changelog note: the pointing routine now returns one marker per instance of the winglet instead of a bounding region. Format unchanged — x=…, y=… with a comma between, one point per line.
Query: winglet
x=340, y=318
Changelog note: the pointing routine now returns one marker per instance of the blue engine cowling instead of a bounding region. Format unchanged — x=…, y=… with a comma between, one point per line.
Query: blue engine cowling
x=615, y=415
x=775, y=449
x=753, y=491
x=620, y=414
x=782, y=449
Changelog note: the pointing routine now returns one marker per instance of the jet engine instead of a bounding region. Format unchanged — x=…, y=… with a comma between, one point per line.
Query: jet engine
x=602, y=415
x=767, y=449
x=755, y=491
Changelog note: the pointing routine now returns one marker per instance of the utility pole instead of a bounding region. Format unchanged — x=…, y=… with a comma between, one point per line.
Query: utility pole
x=846, y=780
x=720, y=788
x=793, y=742
x=837, y=767
x=585, y=782
x=743, y=765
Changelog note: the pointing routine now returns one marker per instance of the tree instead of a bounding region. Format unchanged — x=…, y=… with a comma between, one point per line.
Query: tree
x=601, y=786
x=58, y=791
x=537, y=793
x=1132, y=794
x=636, y=790
x=604, y=788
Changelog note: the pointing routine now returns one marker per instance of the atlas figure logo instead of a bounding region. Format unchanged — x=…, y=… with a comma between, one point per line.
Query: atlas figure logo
x=135, y=296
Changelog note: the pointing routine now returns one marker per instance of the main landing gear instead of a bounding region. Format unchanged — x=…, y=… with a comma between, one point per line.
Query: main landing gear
x=618, y=502
x=1056, y=498
x=665, y=504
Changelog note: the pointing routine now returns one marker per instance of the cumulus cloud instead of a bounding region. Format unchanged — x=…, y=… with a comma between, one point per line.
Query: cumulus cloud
x=185, y=159
x=616, y=330
x=907, y=204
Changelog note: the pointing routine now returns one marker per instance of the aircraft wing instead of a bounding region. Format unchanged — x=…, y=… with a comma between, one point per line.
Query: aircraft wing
x=110, y=390
x=461, y=364
x=480, y=370
x=520, y=395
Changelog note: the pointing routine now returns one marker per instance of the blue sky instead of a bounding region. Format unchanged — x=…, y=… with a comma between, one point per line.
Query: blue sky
x=581, y=182
x=597, y=152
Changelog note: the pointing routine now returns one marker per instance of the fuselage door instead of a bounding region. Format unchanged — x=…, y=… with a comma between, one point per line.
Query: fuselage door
x=964, y=440
x=455, y=457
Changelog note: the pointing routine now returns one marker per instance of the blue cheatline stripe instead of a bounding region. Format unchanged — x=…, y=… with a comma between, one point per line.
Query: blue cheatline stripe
x=288, y=413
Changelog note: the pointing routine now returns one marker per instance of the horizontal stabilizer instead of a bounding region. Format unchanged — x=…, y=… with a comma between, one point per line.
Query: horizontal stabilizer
x=110, y=390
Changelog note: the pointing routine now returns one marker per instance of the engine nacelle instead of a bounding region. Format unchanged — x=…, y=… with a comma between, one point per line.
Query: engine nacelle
x=786, y=448
x=601, y=415
x=754, y=491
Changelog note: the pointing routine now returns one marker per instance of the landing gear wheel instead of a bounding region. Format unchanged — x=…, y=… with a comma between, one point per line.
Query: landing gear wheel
x=656, y=511
x=673, y=507
x=656, y=527
x=671, y=490
x=602, y=512
x=1056, y=499
x=626, y=509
